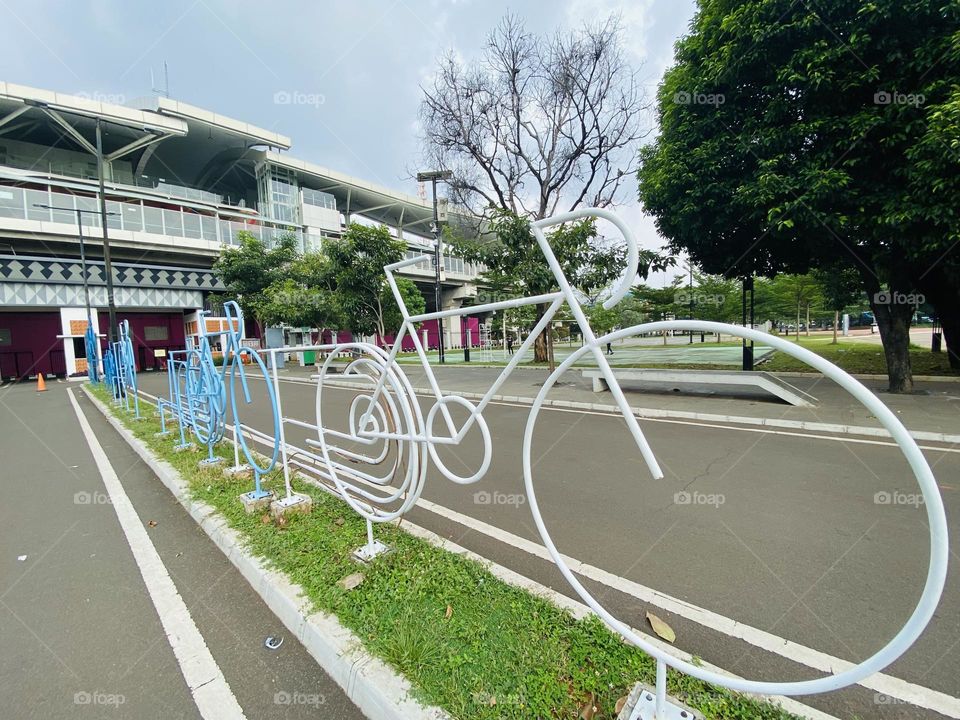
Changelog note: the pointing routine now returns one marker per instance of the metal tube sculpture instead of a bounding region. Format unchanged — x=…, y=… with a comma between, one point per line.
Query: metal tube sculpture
x=199, y=396
x=386, y=430
x=92, y=348
x=233, y=370
x=122, y=370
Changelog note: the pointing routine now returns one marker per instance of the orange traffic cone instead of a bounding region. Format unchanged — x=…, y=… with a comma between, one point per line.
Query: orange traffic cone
x=41, y=383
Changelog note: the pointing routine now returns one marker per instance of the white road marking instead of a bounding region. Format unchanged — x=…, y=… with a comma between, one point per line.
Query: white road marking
x=887, y=685
x=579, y=610
x=879, y=682
x=678, y=417
x=211, y=693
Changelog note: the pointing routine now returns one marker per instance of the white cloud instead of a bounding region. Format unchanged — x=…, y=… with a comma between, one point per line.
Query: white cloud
x=635, y=16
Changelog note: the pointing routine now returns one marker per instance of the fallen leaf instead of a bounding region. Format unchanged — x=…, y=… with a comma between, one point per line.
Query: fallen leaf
x=265, y=518
x=620, y=703
x=351, y=581
x=492, y=701
x=661, y=628
x=339, y=521
x=588, y=710
x=449, y=612
x=152, y=523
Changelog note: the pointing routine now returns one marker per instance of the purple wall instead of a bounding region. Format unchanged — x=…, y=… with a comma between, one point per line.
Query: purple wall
x=34, y=346
x=143, y=348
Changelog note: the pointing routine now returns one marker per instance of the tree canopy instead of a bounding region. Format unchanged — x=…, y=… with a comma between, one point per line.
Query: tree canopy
x=794, y=134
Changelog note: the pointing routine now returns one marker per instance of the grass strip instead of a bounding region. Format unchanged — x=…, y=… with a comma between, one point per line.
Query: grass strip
x=467, y=641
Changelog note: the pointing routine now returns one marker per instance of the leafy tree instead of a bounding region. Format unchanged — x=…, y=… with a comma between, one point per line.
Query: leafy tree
x=292, y=303
x=793, y=134
x=356, y=263
x=249, y=269
x=306, y=296
x=839, y=287
x=515, y=265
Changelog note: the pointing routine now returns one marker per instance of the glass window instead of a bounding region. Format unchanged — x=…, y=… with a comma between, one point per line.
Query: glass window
x=11, y=202
x=91, y=206
x=208, y=227
x=173, y=222
x=153, y=219
x=62, y=200
x=38, y=197
x=156, y=332
x=191, y=225
x=132, y=217
x=114, y=222
x=318, y=198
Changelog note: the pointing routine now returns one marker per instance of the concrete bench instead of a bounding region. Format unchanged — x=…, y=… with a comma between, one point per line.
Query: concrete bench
x=730, y=378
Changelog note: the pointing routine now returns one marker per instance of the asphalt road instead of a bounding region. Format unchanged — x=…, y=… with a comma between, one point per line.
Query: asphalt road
x=783, y=532
x=80, y=634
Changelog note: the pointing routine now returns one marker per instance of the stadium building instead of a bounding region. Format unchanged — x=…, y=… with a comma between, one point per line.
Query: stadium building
x=180, y=182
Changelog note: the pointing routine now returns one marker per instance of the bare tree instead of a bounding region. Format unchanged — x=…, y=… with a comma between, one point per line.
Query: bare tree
x=536, y=125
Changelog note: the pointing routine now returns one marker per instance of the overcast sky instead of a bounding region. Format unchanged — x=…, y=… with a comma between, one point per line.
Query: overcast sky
x=357, y=65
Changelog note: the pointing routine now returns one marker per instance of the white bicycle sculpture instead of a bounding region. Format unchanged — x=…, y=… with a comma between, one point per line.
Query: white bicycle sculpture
x=387, y=429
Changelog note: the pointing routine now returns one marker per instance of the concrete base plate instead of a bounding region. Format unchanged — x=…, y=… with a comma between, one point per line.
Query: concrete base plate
x=207, y=462
x=162, y=433
x=292, y=504
x=240, y=471
x=183, y=448
x=642, y=705
x=368, y=552
x=253, y=503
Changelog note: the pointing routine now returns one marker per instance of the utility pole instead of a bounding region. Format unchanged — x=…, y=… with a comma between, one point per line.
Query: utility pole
x=433, y=176
x=107, y=265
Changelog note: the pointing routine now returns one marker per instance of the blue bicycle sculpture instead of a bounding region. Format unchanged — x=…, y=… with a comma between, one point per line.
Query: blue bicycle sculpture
x=120, y=370
x=200, y=394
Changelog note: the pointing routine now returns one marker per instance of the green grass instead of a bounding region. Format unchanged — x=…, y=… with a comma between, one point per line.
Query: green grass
x=855, y=357
x=858, y=357
x=502, y=653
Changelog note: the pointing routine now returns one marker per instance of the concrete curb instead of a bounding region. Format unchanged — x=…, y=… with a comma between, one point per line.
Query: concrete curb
x=655, y=413
x=379, y=692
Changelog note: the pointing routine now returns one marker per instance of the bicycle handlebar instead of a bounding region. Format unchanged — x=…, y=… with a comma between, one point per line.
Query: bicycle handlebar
x=633, y=252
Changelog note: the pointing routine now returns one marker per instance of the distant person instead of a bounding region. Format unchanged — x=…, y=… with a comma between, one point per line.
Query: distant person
x=509, y=346
x=609, y=349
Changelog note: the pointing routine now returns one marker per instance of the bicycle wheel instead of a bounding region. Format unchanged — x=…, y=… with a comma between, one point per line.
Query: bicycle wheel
x=376, y=458
x=932, y=502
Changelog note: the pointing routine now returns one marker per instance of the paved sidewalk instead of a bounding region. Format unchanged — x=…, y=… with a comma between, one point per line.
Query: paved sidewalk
x=935, y=407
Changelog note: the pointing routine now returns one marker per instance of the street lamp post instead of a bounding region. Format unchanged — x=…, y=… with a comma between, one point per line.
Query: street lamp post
x=433, y=176
x=107, y=265
x=83, y=254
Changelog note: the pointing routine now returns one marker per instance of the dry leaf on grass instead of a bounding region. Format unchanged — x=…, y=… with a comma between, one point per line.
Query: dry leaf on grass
x=588, y=710
x=661, y=628
x=449, y=612
x=620, y=703
x=339, y=521
x=351, y=581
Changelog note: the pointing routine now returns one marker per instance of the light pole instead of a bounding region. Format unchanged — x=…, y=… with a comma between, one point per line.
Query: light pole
x=83, y=254
x=433, y=176
x=107, y=264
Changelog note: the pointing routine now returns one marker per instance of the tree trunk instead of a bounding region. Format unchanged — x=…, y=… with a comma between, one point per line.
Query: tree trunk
x=944, y=294
x=797, y=327
x=950, y=321
x=807, y=332
x=893, y=320
x=836, y=321
x=541, y=352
